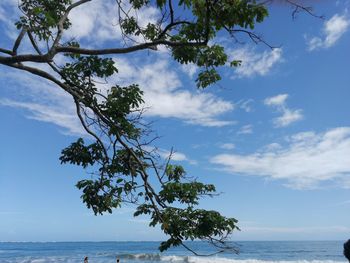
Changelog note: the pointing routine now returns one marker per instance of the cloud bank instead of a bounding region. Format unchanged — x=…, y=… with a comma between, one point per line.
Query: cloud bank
x=307, y=161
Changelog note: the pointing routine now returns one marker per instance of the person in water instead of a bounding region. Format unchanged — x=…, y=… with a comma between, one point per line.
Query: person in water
x=86, y=260
x=347, y=249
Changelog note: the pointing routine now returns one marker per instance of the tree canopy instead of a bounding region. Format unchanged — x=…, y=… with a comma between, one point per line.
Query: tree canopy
x=126, y=168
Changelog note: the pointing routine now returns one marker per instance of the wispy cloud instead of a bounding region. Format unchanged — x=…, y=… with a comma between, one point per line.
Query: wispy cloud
x=45, y=113
x=297, y=230
x=246, y=129
x=288, y=115
x=41, y=100
x=9, y=14
x=173, y=155
x=307, y=160
x=177, y=157
x=139, y=221
x=245, y=105
x=344, y=203
x=189, y=69
x=6, y=213
x=333, y=30
x=255, y=63
x=278, y=100
x=227, y=146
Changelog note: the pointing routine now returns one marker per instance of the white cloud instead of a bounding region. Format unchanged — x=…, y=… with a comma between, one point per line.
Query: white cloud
x=189, y=69
x=9, y=14
x=88, y=23
x=200, y=109
x=165, y=97
x=180, y=157
x=272, y=147
x=42, y=100
x=174, y=155
x=245, y=105
x=86, y=17
x=277, y=100
x=246, y=129
x=254, y=63
x=307, y=161
x=288, y=115
x=227, y=146
x=45, y=113
x=2, y=14
x=333, y=30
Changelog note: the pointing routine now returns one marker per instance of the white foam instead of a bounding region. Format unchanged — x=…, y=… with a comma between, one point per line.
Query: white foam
x=156, y=257
x=228, y=260
x=174, y=258
x=218, y=259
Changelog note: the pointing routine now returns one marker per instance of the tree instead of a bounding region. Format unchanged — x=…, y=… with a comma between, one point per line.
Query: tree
x=126, y=168
x=346, y=251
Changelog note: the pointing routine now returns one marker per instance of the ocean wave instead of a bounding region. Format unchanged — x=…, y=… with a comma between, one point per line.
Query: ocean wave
x=50, y=259
x=142, y=257
x=110, y=258
x=196, y=259
x=227, y=260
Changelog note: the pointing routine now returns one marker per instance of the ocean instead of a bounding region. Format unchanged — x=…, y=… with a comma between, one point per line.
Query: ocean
x=146, y=252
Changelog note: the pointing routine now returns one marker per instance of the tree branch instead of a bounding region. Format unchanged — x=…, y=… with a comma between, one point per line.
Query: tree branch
x=18, y=40
x=60, y=26
x=142, y=46
x=299, y=7
x=44, y=58
x=45, y=75
x=6, y=51
x=89, y=131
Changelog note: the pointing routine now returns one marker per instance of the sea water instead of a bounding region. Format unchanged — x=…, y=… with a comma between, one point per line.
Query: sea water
x=147, y=252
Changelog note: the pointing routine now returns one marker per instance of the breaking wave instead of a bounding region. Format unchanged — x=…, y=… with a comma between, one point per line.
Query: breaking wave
x=110, y=258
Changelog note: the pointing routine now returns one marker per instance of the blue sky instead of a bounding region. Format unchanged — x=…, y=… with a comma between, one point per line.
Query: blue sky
x=273, y=136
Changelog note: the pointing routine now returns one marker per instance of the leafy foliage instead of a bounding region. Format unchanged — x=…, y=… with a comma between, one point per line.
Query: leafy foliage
x=42, y=16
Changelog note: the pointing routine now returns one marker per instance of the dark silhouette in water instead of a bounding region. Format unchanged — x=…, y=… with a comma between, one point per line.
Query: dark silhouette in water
x=86, y=260
x=347, y=249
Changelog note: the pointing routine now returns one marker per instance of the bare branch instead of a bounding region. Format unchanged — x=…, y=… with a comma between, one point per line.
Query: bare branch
x=6, y=51
x=301, y=8
x=253, y=36
x=89, y=131
x=18, y=40
x=33, y=42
